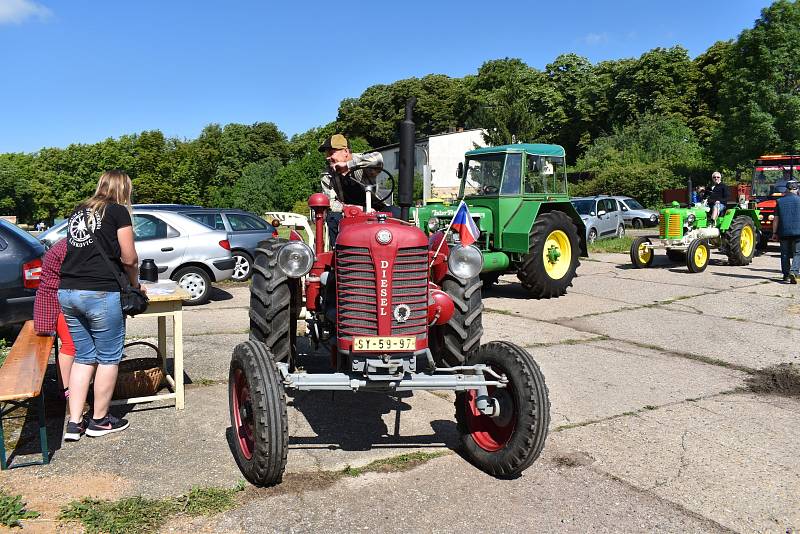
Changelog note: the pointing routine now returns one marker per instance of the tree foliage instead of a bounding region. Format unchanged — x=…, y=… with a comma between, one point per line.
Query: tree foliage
x=648, y=122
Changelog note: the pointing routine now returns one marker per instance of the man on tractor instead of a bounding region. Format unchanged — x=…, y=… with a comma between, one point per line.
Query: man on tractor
x=717, y=196
x=345, y=178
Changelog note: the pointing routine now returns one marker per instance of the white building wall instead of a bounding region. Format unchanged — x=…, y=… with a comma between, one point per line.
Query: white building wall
x=446, y=151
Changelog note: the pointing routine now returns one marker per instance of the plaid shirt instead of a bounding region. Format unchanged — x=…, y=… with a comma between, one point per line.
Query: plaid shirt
x=46, y=307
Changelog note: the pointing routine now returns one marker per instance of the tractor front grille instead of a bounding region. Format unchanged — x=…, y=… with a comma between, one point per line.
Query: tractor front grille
x=357, y=293
x=410, y=287
x=670, y=227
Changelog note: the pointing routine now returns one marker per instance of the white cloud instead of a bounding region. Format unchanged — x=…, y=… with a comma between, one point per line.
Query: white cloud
x=595, y=38
x=17, y=11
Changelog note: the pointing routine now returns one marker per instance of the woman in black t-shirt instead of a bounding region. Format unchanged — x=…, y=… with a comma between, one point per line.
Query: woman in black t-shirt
x=89, y=295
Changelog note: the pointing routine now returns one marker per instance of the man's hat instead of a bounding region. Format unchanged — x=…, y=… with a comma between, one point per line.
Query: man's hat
x=792, y=184
x=334, y=142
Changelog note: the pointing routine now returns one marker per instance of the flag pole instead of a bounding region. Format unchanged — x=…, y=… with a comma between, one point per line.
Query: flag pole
x=447, y=231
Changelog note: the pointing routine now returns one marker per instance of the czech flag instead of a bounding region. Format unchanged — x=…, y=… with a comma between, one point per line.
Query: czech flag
x=464, y=225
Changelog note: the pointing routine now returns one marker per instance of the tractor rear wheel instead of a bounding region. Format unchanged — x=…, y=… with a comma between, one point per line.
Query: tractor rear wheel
x=259, y=423
x=549, y=267
x=452, y=343
x=739, y=242
x=505, y=444
x=697, y=256
x=274, y=303
x=641, y=256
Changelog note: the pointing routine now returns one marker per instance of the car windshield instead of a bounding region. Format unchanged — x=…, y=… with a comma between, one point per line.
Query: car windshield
x=25, y=236
x=633, y=204
x=583, y=207
x=772, y=179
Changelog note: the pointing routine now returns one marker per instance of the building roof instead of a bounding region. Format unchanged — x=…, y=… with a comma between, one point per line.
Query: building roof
x=420, y=140
x=531, y=148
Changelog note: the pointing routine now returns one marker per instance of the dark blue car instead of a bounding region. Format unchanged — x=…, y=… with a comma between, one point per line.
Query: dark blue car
x=20, y=270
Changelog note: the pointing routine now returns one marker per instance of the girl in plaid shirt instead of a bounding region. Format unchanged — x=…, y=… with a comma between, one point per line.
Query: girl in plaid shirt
x=47, y=316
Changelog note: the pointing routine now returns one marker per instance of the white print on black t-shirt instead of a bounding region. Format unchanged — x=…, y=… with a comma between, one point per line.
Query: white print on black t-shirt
x=79, y=236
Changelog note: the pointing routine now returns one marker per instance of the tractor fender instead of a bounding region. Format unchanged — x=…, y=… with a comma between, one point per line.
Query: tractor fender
x=730, y=214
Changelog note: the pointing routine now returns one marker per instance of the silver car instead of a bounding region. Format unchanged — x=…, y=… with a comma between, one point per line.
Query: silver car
x=635, y=214
x=601, y=215
x=183, y=249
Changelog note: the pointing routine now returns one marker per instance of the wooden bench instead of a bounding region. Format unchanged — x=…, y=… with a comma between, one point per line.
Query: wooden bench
x=21, y=378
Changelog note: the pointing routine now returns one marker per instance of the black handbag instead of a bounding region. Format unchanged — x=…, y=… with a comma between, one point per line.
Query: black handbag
x=132, y=300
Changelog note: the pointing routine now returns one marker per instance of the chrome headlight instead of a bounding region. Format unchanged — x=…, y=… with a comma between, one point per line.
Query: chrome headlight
x=690, y=218
x=770, y=217
x=433, y=224
x=465, y=262
x=295, y=259
x=654, y=217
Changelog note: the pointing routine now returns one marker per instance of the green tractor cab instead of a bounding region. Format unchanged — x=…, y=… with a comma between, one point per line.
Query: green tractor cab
x=517, y=196
x=689, y=234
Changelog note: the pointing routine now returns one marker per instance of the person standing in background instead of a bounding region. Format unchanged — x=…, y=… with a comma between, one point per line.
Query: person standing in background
x=786, y=229
x=90, y=298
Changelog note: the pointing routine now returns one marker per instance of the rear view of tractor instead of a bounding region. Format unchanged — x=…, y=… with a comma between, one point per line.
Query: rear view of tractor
x=689, y=234
x=393, y=315
x=517, y=195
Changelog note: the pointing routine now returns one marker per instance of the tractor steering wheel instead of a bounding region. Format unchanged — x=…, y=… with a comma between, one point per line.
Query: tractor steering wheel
x=390, y=190
x=490, y=189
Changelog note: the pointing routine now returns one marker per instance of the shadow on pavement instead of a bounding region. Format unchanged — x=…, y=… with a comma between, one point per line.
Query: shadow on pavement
x=218, y=295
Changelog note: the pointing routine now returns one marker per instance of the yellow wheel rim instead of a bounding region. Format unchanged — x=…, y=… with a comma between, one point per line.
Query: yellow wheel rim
x=557, y=255
x=644, y=253
x=700, y=256
x=747, y=241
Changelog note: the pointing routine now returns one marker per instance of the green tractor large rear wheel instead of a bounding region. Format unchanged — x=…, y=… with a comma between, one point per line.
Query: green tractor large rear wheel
x=549, y=267
x=739, y=242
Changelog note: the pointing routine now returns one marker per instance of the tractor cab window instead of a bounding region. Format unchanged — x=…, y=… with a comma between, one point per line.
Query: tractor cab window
x=545, y=174
x=512, y=175
x=771, y=179
x=483, y=175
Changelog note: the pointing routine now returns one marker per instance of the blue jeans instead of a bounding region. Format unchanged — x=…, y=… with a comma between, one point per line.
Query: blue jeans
x=790, y=250
x=95, y=323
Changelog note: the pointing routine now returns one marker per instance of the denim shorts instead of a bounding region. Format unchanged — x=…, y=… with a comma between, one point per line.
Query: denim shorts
x=96, y=324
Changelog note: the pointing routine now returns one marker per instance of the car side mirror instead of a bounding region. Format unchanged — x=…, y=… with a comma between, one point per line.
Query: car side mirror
x=601, y=213
x=460, y=170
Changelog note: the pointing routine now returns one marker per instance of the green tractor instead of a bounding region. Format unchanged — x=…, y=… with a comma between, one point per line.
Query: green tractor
x=517, y=196
x=689, y=234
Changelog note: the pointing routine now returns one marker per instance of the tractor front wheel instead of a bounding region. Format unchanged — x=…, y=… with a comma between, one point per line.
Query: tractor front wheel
x=549, y=267
x=641, y=255
x=508, y=442
x=697, y=256
x=258, y=414
x=452, y=343
x=740, y=241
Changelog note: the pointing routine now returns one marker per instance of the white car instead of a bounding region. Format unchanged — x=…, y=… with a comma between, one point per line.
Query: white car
x=184, y=250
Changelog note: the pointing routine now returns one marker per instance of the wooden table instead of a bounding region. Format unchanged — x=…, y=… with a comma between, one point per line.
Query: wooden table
x=163, y=306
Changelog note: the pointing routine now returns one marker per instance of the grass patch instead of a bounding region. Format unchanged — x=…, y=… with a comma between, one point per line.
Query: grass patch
x=4, y=350
x=12, y=509
x=402, y=462
x=616, y=244
x=139, y=515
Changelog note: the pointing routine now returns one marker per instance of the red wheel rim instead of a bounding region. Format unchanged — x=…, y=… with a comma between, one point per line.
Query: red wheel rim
x=242, y=414
x=489, y=433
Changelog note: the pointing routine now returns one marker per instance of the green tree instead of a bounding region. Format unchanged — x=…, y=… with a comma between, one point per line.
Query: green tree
x=760, y=97
x=254, y=191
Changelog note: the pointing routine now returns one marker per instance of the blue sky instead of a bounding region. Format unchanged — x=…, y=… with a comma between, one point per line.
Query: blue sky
x=75, y=71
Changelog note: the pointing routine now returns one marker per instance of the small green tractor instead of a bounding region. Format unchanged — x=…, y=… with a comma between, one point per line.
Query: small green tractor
x=517, y=196
x=689, y=234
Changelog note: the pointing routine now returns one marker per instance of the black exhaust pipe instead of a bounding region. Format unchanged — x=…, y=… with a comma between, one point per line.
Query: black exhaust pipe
x=405, y=185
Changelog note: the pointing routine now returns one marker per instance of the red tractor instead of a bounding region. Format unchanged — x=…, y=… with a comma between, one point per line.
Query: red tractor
x=770, y=175
x=396, y=316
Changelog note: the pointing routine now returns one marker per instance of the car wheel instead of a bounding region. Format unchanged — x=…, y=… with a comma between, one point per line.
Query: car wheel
x=243, y=268
x=592, y=236
x=637, y=223
x=196, y=282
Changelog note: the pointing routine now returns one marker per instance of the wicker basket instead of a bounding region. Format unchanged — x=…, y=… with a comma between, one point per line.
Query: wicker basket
x=139, y=377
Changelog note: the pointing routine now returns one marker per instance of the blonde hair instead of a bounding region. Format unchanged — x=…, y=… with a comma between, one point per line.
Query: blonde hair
x=112, y=187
